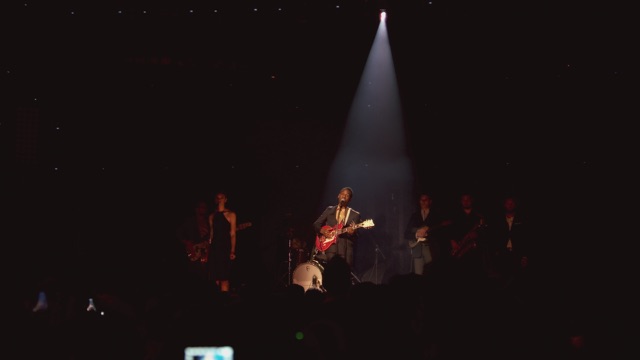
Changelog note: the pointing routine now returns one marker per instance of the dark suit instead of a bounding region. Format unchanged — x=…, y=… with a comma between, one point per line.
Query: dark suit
x=424, y=252
x=468, y=231
x=507, y=261
x=344, y=244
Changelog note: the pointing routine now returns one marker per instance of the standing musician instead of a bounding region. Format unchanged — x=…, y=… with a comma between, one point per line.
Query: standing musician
x=336, y=230
x=421, y=233
x=466, y=228
x=509, y=242
x=193, y=233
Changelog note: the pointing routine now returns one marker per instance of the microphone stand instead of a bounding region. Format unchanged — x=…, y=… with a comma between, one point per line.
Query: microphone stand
x=289, y=263
x=375, y=262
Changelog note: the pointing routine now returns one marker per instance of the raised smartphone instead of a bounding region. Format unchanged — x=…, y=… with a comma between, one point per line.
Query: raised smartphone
x=208, y=353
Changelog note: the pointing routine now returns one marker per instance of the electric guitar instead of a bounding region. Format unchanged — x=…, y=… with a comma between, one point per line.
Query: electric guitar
x=414, y=243
x=323, y=242
x=423, y=233
x=200, y=251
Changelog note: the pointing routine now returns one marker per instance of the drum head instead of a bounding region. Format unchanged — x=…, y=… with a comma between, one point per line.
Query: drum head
x=308, y=275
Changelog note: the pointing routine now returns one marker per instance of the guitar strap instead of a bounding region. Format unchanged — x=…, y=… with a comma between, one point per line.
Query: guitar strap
x=347, y=216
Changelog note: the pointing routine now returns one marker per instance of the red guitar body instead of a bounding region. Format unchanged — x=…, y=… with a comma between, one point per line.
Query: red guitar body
x=323, y=242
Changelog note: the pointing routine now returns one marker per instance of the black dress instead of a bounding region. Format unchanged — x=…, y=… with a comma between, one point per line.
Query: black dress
x=219, y=261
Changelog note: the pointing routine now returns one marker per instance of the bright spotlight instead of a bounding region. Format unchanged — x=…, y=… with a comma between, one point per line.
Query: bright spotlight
x=383, y=14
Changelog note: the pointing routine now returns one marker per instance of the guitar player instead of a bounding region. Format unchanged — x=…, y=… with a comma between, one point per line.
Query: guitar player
x=421, y=234
x=337, y=217
x=193, y=234
x=466, y=237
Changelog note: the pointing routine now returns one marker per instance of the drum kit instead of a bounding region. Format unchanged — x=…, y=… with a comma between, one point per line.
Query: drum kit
x=308, y=275
x=307, y=272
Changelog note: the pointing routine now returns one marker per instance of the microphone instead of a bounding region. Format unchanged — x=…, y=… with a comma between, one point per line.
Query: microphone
x=342, y=201
x=314, y=281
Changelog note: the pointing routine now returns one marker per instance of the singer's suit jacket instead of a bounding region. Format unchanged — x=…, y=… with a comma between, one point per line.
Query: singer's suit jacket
x=328, y=218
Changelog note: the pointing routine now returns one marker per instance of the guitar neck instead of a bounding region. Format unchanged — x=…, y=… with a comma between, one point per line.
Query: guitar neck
x=414, y=243
x=366, y=224
x=345, y=229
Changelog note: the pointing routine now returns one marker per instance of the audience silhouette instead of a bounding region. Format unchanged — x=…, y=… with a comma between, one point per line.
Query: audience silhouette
x=432, y=315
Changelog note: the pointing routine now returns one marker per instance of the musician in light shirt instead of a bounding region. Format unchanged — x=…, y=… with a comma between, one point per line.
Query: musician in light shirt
x=421, y=234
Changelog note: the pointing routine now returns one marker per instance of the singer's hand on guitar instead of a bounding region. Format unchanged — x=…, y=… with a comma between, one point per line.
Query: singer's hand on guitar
x=352, y=228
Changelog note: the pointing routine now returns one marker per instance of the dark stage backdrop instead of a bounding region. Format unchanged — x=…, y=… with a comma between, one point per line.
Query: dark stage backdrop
x=117, y=121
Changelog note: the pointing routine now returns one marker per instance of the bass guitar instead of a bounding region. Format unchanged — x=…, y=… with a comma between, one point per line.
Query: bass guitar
x=323, y=242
